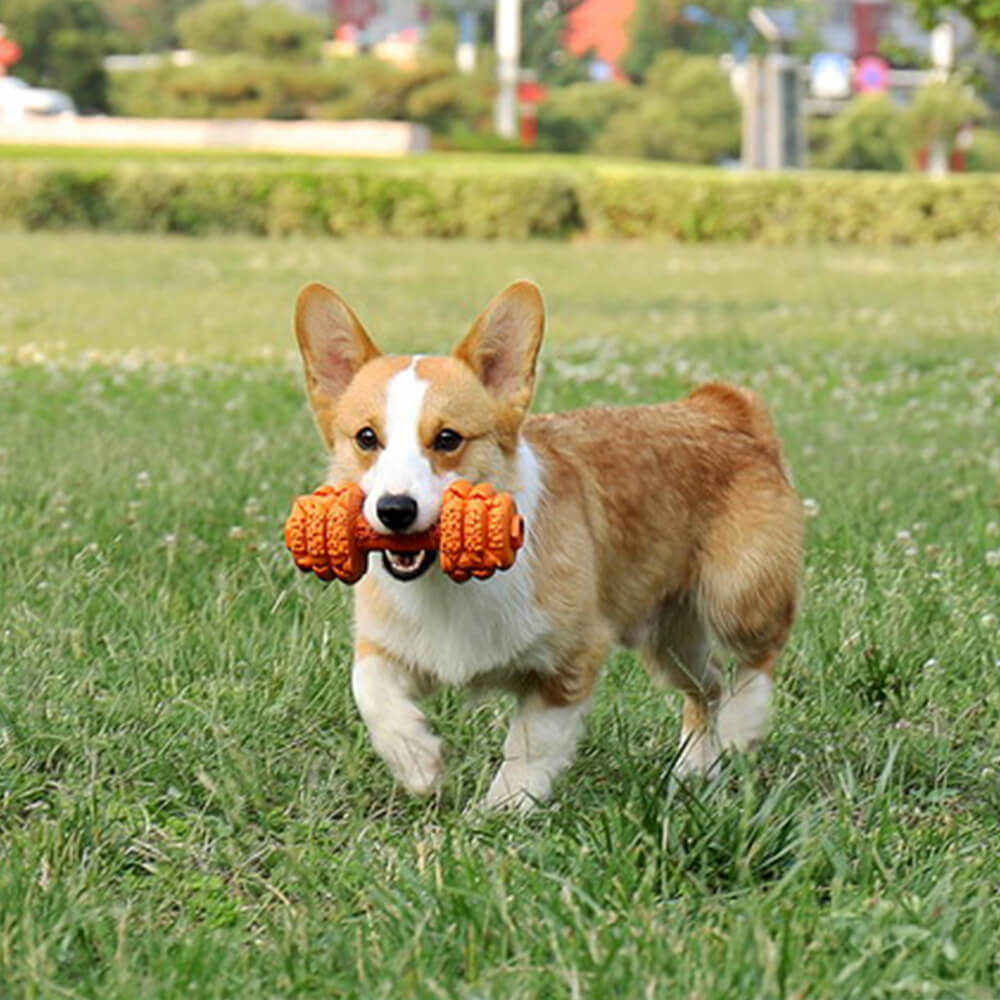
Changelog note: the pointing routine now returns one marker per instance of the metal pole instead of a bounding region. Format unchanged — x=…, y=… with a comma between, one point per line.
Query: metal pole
x=508, y=49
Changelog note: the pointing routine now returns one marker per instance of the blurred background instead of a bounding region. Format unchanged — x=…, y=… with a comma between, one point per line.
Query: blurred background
x=877, y=85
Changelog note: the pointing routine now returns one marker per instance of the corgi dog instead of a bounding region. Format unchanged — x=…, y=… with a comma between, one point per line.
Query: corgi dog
x=672, y=529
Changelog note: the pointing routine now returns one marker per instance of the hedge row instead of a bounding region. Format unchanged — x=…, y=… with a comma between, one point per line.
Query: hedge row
x=689, y=206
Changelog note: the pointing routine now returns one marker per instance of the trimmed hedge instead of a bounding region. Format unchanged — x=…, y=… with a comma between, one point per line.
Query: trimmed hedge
x=786, y=209
x=496, y=202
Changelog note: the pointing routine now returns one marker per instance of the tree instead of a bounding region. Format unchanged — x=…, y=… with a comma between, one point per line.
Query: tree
x=657, y=25
x=145, y=25
x=983, y=15
x=543, y=48
x=686, y=112
x=271, y=30
x=867, y=135
x=938, y=111
x=213, y=27
x=276, y=32
x=63, y=43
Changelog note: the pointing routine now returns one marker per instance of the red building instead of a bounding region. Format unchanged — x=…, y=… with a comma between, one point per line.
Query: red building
x=601, y=25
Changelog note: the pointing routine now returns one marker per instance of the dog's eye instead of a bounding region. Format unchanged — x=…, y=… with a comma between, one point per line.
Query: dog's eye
x=447, y=440
x=366, y=439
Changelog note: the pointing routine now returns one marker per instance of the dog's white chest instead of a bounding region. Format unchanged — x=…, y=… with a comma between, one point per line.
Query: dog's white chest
x=456, y=631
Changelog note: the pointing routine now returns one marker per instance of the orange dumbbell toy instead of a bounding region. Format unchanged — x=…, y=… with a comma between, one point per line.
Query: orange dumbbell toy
x=479, y=532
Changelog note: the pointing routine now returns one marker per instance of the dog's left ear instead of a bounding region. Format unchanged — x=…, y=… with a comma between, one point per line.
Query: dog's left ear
x=502, y=346
x=334, y=346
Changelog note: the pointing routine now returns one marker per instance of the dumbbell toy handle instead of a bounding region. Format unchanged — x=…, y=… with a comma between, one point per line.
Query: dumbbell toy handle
x=478, y=533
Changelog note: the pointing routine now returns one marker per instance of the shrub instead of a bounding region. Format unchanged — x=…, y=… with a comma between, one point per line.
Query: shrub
x=269, y=30
x=984, y=154
x=246, y=86
x=791, y=208
x=274, y=31
x=491, y=201
x=570, y=119
x=195, y=199
x=686, y=112
x=867, y=135
x=213, y=27
x=938, y=111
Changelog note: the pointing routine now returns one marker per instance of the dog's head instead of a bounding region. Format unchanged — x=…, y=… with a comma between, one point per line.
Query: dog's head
x=405, y=427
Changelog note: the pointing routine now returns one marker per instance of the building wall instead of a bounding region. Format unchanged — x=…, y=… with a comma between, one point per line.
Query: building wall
x=601, y=25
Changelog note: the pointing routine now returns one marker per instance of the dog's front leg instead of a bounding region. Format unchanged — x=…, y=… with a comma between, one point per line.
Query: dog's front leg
x=541, y=743
x=384, y=692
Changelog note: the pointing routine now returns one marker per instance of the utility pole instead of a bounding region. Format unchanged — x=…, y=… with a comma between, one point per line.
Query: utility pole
x=508, y=48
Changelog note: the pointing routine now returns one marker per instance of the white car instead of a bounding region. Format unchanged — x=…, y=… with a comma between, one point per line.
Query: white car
x=18, y=99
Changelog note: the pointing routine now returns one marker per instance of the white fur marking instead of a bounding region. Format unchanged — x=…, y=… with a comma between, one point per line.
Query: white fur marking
x=454, y=631
x=738, y=723
x=396, y=725
x=402, y=466
x=540, y=745
x=743, y=715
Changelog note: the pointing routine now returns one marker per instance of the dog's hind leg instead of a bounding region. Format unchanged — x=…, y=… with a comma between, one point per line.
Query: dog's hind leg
x=677, y=650
x=384, y=692
x=747, y=593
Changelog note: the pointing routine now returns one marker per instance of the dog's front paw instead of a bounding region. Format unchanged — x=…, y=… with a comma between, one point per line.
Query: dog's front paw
x=518, y=786
x=415, y=759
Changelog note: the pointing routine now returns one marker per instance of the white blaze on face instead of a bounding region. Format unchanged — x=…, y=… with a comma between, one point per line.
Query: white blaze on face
x=402, y=467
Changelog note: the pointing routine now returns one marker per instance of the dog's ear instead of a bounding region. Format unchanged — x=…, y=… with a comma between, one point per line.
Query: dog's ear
x=334, y=345
x=502, y=346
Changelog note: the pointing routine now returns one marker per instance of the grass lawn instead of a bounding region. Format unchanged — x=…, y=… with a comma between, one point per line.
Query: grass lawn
x=188, y=804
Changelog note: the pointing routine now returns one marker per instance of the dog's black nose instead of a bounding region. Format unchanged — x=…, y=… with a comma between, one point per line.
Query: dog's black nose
x=396, y=511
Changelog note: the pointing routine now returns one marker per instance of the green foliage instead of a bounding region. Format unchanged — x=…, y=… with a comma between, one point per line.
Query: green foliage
x=572, y=117
x=194, y=201
x=144, y=25
x=441, y=37
x=504, y=198
x=686, y=112
x=939, y=110
x=867, y=135
x=654, y=26
x=240, y=85
x=984, y=154
x=213, y=27
x=274, y=31
x=544, y=24
x=983, y=15
x=268, y=30
x=897, y=54
x=801, y=208
x=659, y=25
x=63, y=43
x=449, y=102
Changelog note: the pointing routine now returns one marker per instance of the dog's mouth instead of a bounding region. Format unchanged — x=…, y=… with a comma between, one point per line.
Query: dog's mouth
x=407, y=565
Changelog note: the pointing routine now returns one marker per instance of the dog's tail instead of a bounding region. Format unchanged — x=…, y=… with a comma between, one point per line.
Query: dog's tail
x=744, y=411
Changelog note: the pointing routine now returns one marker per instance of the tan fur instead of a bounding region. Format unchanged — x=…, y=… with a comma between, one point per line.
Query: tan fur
x=668, y=513
x=670, y=528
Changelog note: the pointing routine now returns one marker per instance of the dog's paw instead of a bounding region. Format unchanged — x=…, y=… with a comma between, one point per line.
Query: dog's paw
x=519, y=787
x=415, y=759
x=701, y=754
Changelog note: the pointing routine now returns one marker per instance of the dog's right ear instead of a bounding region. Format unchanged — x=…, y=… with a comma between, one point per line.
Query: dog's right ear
x=334, y=345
